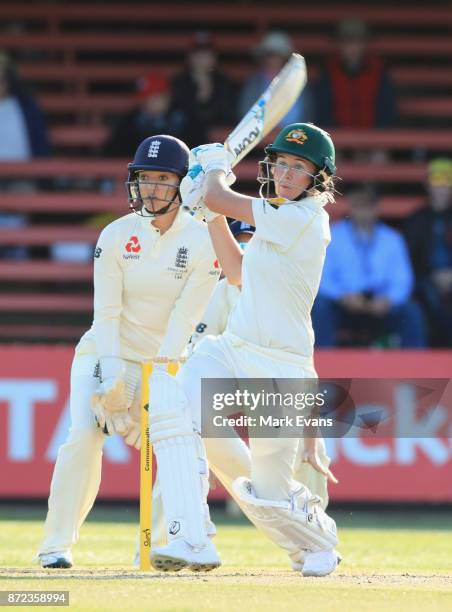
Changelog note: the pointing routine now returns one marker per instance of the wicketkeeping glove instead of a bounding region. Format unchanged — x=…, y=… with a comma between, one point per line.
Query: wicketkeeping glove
x=133, y=436
x=109, y=405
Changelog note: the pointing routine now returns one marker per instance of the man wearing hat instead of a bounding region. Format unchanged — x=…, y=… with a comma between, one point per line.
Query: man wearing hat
x=429, y=237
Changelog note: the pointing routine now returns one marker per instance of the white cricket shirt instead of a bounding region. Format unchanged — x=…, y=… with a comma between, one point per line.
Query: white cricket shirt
x=150, y=290
x=214, y=320
x=281, y=271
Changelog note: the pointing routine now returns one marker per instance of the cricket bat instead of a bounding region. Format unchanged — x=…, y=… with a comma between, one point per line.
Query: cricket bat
x=270, y=108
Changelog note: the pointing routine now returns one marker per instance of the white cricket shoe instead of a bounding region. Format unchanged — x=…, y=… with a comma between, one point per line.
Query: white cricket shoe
x=60, y=559
x=297, y=560
x=211, y=532
x=178, y=555
x=320, y=563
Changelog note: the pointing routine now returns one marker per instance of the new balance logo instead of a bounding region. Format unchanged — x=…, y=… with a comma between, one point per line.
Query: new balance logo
x=154, y=148
x=174, y=527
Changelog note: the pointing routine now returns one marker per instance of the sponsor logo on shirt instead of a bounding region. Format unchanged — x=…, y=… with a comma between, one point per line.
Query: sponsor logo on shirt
x=276, y=202
x=133, y=246
x=97, y=252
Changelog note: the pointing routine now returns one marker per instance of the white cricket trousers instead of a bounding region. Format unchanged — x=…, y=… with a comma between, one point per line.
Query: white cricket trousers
x=227, y=356
x=77, y=473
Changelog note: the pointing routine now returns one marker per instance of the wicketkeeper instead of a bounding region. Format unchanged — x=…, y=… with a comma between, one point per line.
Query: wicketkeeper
x=154, y=272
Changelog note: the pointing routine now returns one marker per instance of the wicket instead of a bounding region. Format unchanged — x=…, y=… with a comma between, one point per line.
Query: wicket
x=146, y=462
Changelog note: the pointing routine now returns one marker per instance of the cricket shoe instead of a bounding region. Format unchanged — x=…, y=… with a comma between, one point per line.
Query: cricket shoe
x=60, y=559
x=320, y=563
x=178, y=555
x=297, y=560
x=211, y=532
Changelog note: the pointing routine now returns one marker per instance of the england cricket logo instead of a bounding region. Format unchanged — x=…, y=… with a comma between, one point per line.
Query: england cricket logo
x=181, y=257
x=180, y=265
x=154, y=148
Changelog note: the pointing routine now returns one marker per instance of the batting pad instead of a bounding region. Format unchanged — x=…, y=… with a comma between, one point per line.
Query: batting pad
x=179, y=464
x=294, y=525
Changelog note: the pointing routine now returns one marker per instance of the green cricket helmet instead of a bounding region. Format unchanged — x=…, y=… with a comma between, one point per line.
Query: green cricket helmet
x=308, y=141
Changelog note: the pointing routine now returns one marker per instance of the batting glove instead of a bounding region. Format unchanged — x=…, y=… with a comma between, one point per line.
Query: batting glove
x=191, y=189
x=213, y=157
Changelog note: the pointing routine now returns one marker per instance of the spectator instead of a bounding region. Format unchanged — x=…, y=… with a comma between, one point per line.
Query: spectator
x=13, y=221
x=429, y=236
x=23, y=133
x=151, y=115
x=202, y=93
x=271, y=55
x=367, y=280
x=355, y=90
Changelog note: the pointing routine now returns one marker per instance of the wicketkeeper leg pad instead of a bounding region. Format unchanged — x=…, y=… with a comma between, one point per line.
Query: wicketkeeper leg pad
x=299, y=523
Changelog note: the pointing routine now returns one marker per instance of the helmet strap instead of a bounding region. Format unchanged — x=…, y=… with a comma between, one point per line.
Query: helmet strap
x=137, y=204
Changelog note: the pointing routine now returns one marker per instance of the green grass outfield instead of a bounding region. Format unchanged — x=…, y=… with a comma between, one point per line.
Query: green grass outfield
x=393, y=560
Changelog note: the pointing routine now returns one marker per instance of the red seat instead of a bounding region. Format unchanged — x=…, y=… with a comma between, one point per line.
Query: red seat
x=47, y=234
x=44, y=271
x=55, y=302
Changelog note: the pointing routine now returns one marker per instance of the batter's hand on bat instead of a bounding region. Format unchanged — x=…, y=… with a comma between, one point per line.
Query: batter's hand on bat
x=311, y=456
x=191, y=189
x=213, y=157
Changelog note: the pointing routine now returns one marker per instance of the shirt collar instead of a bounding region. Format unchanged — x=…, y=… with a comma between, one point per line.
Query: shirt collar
x=180, y=221
x=318, y=200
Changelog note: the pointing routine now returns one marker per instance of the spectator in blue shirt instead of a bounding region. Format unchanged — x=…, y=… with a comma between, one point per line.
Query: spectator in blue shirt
x=367, y=280
x=23, y=132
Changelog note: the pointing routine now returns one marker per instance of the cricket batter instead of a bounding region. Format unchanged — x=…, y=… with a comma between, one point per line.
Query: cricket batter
x=213, y=323
x=268, y=335
x=154, y=272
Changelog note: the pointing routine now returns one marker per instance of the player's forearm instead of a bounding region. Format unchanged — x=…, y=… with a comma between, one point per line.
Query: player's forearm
x=227, y=250
x=220, y=199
